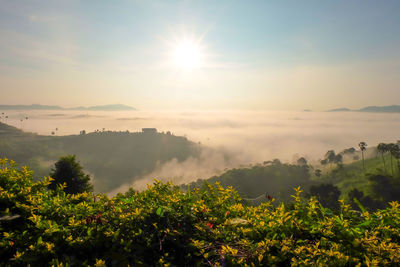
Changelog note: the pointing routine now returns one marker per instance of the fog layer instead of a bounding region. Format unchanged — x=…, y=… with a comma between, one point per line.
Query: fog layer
x=231, y=138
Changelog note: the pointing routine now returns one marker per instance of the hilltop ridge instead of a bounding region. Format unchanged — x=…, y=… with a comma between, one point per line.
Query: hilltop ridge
x=114, y=107
x=375, y=109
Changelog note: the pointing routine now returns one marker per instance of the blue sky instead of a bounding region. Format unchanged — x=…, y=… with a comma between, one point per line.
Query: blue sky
x=257, y=54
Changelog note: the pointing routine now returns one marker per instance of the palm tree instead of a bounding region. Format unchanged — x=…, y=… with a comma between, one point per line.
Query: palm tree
x=396, y=155
x=382, y=148
x=393, y=149
x=363, y=146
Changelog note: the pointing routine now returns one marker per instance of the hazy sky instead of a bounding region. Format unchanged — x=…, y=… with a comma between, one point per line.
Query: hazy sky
x=201, y=54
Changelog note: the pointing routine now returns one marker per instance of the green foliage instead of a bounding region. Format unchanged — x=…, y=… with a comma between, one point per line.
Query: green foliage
x=166, y=226
x=327, y=194
x=352, y=175
x=69, y=172
x=120, y=155
x=276, y=179
x=385, y=187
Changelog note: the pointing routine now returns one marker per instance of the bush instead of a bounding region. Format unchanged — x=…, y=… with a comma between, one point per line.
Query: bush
x=69, y=171
x=165, y=226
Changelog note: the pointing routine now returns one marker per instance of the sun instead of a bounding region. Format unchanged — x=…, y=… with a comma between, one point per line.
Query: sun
x=187, y=54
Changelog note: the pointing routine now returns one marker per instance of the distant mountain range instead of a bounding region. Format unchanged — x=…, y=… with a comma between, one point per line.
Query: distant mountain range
x=376, y=109
x=117, y=107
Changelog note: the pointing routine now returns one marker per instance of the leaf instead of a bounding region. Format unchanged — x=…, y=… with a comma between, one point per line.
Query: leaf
x=365, y=224
x=160, y=211
x=360, y=205
x=39, y=241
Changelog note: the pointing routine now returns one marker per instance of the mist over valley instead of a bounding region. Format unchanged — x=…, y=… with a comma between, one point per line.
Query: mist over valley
x=210, y=142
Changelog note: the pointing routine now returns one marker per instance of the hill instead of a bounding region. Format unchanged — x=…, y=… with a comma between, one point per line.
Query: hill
x=339, y=110
x=121, y=155
x=275, y=179
x=8, y=131
x=116, y=107
x=376, y=109
x=389, y=109
x=353, y=176
x=278, y=180
x=29, y=107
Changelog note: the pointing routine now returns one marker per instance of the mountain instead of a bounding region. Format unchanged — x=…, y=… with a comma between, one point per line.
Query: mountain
x=375, y=109
x=29, y=107
x=389, y=109
x=339, y=110
x=116, y=107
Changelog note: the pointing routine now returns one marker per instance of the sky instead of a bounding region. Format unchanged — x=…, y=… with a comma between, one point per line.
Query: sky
x=257, y=55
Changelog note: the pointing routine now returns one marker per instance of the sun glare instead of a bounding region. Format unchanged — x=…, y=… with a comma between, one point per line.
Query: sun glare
x=187, y=55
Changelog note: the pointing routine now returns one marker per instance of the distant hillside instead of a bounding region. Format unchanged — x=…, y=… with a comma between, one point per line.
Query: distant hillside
x=116, y=107
x=394, y=109
x=113, y=158
x=276, y=179
x=352, y=175
x=11, y=131
x=6, y=130
x=339, y=110
x=381, y=109
x=29, y=107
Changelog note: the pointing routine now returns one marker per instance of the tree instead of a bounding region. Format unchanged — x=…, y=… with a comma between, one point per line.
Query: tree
x=330, y=156
x=357, y=197
x=393, y=149
x=396, y=155
x=350, y=150
x=338, y=159
x=382, y=148
x=302, y=161
x=327, y=194
x=385, y=187
x=68, y=170
x=363, y=147
x=276, y=162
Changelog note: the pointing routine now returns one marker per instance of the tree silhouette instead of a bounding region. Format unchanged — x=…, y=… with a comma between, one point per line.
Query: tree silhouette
x=68, y=170
x=393, y=149
x=382, y=148
x=357, y=197
x=363, y=147
x=338, y=159
x=396, y=155
x=327, y=194
x=332, y=158
x=350, y=150
x=302, y=161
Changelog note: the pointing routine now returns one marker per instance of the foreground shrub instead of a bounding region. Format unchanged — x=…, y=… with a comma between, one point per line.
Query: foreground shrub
x=165, y=226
